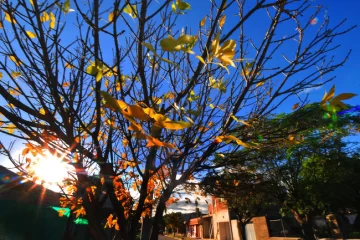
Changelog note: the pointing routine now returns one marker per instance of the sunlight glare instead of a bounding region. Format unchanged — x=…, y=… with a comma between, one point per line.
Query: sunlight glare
x=51, y=170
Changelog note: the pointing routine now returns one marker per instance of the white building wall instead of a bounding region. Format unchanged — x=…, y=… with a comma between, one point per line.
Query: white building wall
x=235, y=230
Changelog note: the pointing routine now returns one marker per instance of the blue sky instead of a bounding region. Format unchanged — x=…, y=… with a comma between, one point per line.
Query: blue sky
x=347, y=76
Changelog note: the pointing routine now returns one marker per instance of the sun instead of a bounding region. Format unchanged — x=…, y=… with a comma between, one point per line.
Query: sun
x=50, y=170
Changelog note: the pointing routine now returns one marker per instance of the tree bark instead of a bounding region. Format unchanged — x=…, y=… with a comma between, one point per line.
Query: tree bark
x=242, y=227
x=92, y=213
x=308, y=230
x=159, y=214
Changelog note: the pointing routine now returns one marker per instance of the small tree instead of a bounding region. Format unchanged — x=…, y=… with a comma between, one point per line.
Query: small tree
x=174, y=221
x=128, y=87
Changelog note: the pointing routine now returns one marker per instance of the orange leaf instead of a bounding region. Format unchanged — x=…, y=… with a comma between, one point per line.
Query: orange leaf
x=136, y=112
x=295, y=106
x=222, y=21
x=154, y=142
x=25, y=151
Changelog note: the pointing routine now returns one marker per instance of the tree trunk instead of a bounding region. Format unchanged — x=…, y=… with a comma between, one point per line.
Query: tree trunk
x=159, y=214
x=92, y=210
x=95, y=227
x=242, y=228
x=308, y=230
x=145, y=228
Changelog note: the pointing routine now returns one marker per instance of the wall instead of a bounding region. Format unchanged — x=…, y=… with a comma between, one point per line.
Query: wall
x=262, y=230
x=235, y=230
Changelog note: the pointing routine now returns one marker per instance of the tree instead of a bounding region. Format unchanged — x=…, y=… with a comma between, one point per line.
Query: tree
x=174, y=221
x=316, y=176
x=246, y=192
x=120, y=86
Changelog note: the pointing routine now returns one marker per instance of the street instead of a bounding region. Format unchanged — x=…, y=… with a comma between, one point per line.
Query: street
x=162, y=237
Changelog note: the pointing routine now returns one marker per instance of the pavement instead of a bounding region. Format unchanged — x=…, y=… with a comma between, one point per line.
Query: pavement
x=162, y=237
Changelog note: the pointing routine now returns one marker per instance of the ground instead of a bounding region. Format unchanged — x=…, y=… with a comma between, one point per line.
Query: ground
x=161, y=237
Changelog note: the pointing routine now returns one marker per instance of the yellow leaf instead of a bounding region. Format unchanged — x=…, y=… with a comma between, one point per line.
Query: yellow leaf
x=157, y=100
x=222, y=21
x=1, y=25
x=11, y=128
x=173, y=7
x=111, y=17
x=92, y=70
x=344, y=96
x=15, y=74
x=15, y=60
x=328, y=96
x=98, y=76
x=9, y=18
x=10, y=105
x=202, y=22
x=170, y=44
x=68, y=65
x=1, y=75
x=42, y=111
x=14, y=92
x=295, y=106
x=44, y=17
x=260, y=84
x=291, y=137
x=173, y=125
x=112, y=103
x=52, y=20
x=236, y=183
x=152, y=49
x=31, y=34
x=225, y=53
x=131, y=10
x=229, y=138
x=200, y=59
x=113, y=14
x=31, y=2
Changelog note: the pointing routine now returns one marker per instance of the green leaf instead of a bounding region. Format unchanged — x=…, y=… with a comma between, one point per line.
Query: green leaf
x=67, y=6
x=182, y=5
x=82, y=221
x=170, y=44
